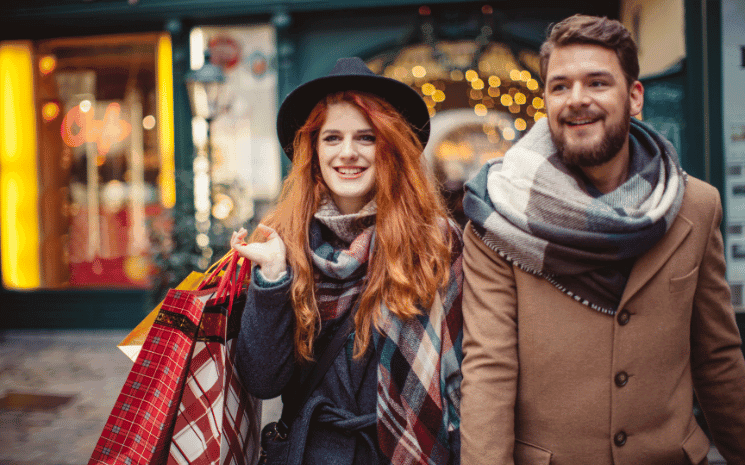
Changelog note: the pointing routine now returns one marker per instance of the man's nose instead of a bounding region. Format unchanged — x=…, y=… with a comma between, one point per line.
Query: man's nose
x=578, y=96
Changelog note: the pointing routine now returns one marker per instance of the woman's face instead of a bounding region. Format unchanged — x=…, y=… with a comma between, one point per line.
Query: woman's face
x=346, y=153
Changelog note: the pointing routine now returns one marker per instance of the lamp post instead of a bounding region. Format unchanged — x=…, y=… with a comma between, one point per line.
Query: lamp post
x=204, y=86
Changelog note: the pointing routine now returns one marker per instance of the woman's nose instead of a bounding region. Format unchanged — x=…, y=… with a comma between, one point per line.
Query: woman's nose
x=348, y=149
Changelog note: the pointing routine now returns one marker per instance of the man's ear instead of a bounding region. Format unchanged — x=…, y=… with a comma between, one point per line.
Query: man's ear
x=636, y=98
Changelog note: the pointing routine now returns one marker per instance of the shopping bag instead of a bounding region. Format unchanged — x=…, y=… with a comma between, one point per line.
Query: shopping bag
x=132, y=343
x=218, y=421
x=141, y=424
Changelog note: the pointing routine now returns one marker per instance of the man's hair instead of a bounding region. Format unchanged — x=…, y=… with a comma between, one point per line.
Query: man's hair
x=582, y=29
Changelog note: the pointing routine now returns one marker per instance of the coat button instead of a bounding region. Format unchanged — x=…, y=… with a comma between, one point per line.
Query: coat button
x=621, y=378
x=624, y=317
x=619, y=438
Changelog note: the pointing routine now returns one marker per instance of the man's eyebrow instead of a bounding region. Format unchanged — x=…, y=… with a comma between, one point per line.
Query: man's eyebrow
x=561, y=77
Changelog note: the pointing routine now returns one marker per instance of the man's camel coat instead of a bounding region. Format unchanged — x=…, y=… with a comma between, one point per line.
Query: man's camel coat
x=547, y=380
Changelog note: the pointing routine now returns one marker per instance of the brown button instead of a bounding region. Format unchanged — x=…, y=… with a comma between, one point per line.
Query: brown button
x=622, y=378
x=624, y=317
x=619, y=438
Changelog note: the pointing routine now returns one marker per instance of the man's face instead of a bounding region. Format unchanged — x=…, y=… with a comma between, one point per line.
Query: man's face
x=589, y=104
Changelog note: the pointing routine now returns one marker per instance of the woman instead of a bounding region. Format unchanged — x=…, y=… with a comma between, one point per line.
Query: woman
x=359, y=230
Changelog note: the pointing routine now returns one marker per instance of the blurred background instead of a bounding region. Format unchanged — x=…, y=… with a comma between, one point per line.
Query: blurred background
x=136, y=135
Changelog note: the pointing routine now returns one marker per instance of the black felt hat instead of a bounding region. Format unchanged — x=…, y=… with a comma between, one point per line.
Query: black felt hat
x=349, y=74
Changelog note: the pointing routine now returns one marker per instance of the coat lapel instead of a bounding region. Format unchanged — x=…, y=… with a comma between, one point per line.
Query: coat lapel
x=650, y=263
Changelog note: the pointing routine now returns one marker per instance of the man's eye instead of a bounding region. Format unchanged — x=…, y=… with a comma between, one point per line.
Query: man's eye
x=558, y=87
x=597, y=83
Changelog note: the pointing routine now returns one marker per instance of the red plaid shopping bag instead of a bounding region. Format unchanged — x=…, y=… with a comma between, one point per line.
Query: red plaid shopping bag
x=217, y=423
x=141, y=425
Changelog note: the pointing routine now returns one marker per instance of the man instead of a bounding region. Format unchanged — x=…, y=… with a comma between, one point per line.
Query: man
x=595, y=299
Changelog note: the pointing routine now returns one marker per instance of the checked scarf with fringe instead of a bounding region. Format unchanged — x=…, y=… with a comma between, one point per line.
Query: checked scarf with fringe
x=418, y=407
x=535, y=212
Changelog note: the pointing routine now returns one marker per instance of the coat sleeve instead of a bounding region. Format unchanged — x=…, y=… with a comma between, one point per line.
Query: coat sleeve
x=265, y=356
x=490, y=364
x=717, y=362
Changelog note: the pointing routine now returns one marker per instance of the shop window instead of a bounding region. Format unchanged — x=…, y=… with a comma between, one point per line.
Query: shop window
x=105, y=171
x=237, y=168
x=481, y=97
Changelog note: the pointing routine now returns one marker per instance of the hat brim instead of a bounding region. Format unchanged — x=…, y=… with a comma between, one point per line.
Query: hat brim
x=297, y=106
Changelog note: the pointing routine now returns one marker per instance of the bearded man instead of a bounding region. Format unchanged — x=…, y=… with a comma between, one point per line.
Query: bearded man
x=595, y=299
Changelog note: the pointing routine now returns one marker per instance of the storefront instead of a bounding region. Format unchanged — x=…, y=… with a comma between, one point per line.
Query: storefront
x=115, y=180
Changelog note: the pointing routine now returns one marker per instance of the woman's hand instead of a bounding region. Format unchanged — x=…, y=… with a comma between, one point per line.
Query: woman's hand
x=270, y=256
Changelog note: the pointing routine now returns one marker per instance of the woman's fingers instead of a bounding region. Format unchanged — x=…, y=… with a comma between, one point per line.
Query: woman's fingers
x=268, y=232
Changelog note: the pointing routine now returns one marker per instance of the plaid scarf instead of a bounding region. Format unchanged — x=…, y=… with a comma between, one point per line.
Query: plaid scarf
x=419, y=376
x=537, y=213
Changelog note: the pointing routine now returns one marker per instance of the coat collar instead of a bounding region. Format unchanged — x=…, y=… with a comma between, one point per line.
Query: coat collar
x=649, y=264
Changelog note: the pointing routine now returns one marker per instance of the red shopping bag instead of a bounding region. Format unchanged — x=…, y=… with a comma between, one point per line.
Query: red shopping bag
x=217, y=422
x=141, y=425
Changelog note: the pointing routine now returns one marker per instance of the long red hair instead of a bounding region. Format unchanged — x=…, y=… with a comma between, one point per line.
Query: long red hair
x=411, y=253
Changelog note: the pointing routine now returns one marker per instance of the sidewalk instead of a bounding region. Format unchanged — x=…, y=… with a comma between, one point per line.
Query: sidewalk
x=58, y=387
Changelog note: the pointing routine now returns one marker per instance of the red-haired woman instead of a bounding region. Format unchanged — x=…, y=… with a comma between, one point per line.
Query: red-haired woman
x=360, y=231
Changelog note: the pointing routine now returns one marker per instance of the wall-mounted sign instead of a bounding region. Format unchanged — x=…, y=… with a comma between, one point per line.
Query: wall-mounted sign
x=79, y=127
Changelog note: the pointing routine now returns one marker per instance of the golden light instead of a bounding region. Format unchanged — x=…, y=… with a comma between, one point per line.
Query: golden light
x=476, y=94
x=471, y=75
x=520, y=98
x=148, y=122
x=494, y=81
x=506, y=100
x=100, y=160
x=539, y=115
x=223, y=206
x=85, y=106
x=538, y=102
x=438, y=96
x=428, y=89
x=19, y=190
x=164, y=118
x=515, y=108
x=47, y=64
x=525, y=75
x=477, y=84
x=493, y=91
x=480, y=109
x=428, y=101
x=508, y=133
x=456, y=75
x=515, y=75
x=532, y=84
x=520, y=124
x=49, y=111
x=530, y=110
x=418, y=71
x=431, y=111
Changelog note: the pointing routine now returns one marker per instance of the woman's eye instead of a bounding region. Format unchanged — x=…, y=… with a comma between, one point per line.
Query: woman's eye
x=367, y=138
x=331, y=138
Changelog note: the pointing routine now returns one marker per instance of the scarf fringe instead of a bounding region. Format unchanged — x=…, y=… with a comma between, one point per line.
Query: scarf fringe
x=493, y=245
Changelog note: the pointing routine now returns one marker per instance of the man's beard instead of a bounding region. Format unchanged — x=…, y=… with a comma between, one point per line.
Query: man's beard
x=597, y=154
